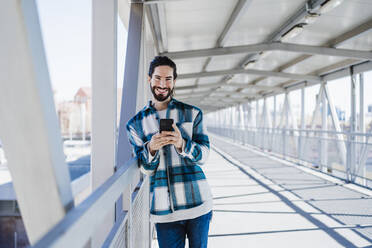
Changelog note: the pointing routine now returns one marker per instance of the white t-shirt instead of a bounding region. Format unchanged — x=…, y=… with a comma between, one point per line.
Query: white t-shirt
x=162, y=113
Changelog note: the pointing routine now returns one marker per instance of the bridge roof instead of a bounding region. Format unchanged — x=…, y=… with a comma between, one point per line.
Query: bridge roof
x=230, y=52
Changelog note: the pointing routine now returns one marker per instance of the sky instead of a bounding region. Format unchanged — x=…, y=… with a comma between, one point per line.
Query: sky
x=67, y=29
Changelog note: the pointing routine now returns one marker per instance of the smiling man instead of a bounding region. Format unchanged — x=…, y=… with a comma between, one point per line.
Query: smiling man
x=181, y=197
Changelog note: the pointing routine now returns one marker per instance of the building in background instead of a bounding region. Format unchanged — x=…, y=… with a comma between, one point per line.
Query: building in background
x=75, y=117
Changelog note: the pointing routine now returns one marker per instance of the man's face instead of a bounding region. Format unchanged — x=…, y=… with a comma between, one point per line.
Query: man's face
x=162, y=82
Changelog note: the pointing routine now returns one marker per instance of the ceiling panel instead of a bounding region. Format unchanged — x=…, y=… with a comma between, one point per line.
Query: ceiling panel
x=196, y=24
x=261, y=19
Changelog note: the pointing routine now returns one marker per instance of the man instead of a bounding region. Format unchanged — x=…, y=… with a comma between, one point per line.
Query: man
x=181, y=197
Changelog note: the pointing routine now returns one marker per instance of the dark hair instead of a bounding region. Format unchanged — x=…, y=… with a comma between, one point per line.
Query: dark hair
x=162, y=60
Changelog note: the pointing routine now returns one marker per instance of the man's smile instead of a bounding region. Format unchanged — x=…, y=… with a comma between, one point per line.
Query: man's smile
x=162, y=91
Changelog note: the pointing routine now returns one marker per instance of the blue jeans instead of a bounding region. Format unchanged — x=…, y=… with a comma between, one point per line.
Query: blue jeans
x=173, y=234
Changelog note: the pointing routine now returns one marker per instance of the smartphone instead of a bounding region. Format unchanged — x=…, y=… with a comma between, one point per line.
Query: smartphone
x=166, y=125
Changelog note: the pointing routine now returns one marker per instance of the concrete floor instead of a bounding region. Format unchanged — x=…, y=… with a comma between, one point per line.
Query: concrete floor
x=260, y=202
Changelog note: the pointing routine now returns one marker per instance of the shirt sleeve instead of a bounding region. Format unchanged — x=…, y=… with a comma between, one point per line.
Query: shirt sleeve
x=197, y=148
x=148, y=163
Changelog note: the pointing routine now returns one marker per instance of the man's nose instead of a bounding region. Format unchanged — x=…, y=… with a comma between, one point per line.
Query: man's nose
x=162, y=82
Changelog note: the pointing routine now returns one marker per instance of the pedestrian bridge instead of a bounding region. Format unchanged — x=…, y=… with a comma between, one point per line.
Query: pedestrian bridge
x=284, y=87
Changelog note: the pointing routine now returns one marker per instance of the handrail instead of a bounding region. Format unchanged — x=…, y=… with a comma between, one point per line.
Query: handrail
x=293, y=145
x=75, y=229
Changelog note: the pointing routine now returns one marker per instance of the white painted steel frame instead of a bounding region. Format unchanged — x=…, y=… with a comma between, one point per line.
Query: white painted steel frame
x=271, y=46
x=104, y=103
x=344, y=141
x=133, y=70
x=285, y=27
x=29, y=125
x=351, y=148
x=78, y=225
x=323, y=142
x=253, y=72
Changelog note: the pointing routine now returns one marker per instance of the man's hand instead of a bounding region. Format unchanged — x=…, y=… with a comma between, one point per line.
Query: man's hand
x=166, y=138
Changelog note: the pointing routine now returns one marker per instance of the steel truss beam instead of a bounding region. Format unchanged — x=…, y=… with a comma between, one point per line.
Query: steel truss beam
x=274, y=46
x=238, y=85
x=336, y=124
x=293, y=20
x=251, y=71
x=355, y=32
x=156, y=16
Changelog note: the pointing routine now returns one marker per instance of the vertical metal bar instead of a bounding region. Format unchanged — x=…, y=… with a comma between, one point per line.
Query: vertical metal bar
x=336, y=124
x=291, y=132
x=257, y=124
x=264, y=123
x=362, y=125
x=241, y=123
x=286, y=127
x=131, y=80
x=29, y=124
x=274, y=132
x=351, y=164
x=324, y=136
x=104, y=87
x=302, y=133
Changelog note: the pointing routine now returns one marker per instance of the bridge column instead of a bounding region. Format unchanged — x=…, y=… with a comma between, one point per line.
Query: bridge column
x=29, y=124
x=324, y=136
x=351, y=158
x=104, y=102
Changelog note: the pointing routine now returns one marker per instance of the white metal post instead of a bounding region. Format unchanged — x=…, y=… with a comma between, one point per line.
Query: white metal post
x=132, y=75
x=352, y=165
x=241, y=123
x=274, y=132
x=324, y=136
x=29, y=124
x=286, y=127
x=302, y=133
x=362, y=125
x=266, y=124
x=104, y=103
x=336, y=125
x=257, y=124
x=293, y=122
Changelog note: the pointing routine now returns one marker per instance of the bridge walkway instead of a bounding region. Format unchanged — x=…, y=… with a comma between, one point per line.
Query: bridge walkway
x=261, y=201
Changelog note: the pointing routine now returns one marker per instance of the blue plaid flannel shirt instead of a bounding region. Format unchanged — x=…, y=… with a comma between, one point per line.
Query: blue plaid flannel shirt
x=177, y=181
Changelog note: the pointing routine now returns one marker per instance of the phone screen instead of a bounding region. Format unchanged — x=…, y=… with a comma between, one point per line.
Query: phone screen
x=166, y=125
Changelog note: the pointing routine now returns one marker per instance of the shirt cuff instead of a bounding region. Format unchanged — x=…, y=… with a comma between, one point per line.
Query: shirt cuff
x=151, y=158
x=182, y=152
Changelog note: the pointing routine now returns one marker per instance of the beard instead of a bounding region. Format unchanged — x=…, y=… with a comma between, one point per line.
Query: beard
x=161, y=97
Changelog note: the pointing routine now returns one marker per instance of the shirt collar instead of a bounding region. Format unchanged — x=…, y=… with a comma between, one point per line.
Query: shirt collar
x=150, y=104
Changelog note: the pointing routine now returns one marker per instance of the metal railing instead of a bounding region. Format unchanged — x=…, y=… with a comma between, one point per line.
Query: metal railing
x=131, y=229
x=345, y=155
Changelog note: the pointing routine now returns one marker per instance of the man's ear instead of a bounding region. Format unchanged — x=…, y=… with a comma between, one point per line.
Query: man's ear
x=148, y=78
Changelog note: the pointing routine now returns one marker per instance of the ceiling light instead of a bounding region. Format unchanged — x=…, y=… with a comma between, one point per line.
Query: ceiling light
x=249, y=63
x=330, y=5
x=311, y=18
x=293, y=32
